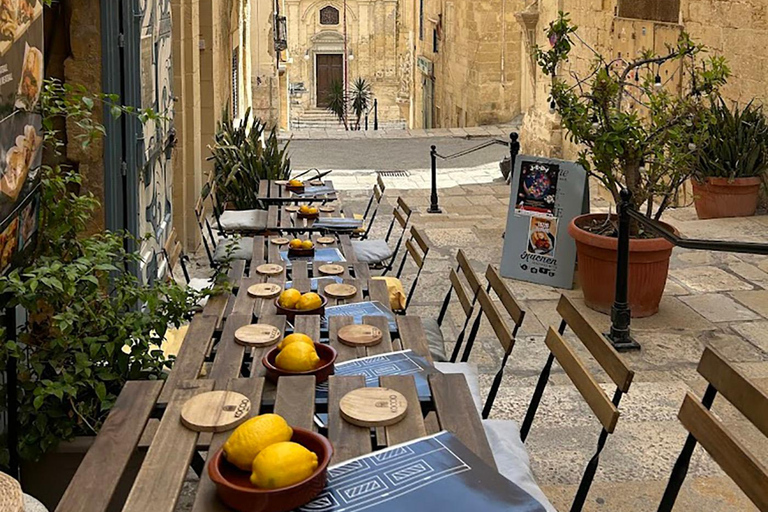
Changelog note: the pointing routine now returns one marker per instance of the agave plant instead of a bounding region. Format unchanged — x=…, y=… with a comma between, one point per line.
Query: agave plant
x=243, y=156
x=337, y=103
x=736, y=145
x=361, y=99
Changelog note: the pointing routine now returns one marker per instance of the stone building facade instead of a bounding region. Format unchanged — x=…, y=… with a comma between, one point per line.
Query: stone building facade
x=736, y=29
x=466, y=63
x=315, y=57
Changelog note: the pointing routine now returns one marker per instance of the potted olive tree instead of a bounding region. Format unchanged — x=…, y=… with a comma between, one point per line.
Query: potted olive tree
x=636, y=133
x=731, y=162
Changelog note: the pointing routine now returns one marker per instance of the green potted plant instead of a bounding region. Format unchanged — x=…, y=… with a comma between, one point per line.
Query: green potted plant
x=243, y=154
x=731, y=162
x=634, y=132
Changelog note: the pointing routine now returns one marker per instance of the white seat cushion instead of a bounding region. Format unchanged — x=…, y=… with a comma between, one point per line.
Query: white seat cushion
x=33, y=505
x=470, y=373
x=199, y=284
x=243, y=249
x=512, y=458
x=243, y=220
x=435, y=339
x=371, y=251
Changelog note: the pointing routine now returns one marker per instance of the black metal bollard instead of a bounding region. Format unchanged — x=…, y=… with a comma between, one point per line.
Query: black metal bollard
x=375, y=114
x=514, y=150
x=620, y=335
x=434, y=207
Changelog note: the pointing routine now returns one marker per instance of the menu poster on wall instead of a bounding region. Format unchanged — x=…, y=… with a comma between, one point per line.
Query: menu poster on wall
x=21, y=138
x=548, y=195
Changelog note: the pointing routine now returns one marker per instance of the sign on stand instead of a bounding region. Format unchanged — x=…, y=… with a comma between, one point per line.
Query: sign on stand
x=546, y=195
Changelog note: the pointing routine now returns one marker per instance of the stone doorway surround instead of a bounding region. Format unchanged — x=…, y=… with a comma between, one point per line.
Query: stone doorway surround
x=324, y=42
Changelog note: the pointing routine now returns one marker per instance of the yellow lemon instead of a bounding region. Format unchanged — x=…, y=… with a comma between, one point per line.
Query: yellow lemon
x=250, y=438
x=307, y=244
x=298, y=357
x=309, y=301
x=289, y=298
x=282, y=465
x=304, y=208
x=295, y=243
x=312, y=210
x=296, y=337
x=295, y=183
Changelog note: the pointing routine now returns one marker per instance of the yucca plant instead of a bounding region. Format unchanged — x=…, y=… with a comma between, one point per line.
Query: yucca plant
x=736, y=145
x=337, y=103
x=242, y=157
x=361, y=99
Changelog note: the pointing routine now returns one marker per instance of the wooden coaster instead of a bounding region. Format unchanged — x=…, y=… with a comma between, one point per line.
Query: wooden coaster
x=265, y=290
x=327, y=208
x=317, y=183
x=269, y=269
x=279, y=241
x=292, y=208
x=326, y=240
x=340, y=291
x=373, y=407
x=331, y=269
x=257, y=335
x=360, y=335
x=215, y=411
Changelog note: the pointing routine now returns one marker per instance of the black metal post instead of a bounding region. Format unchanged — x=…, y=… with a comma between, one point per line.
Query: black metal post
x=375, y=114
x=514, y=150
x=366, y=120
x=620, y=335
x=434, y=207
x=12, y=397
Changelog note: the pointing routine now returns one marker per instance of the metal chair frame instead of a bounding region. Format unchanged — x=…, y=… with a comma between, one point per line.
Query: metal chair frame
x=418, y=258
x=402, y=215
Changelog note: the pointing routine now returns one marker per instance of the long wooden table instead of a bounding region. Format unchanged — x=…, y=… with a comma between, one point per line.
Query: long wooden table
x=270, y=192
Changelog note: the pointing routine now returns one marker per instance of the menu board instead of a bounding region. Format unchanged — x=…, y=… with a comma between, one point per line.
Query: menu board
x=546, y=195
x=432, y=473
x=21, y=138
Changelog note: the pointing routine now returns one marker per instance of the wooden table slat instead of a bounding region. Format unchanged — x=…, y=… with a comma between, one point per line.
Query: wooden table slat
x=99, y=473
x=258, y=251
x=345, y=352
x=348, y=440
x=377, y=291
x=191, y=354
x=272, y=215
x=412, y=335
x=244, y=303
x=412, y=426
x=229, y=353
x=309, y=325
x=386, y=341
x=347, y=249
x=362, y=272
x=457, y=413
x=257, y=369
x=295, y=400
x=161, y=477
x=300, y=276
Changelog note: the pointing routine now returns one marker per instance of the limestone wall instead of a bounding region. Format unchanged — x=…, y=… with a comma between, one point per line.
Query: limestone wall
x=476, y=66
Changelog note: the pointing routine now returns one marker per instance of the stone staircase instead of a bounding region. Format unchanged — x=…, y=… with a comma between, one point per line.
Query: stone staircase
x=315, y=119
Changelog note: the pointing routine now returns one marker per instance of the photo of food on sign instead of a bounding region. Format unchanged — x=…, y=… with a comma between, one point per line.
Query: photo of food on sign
x=542, y=235
x=537, y=189
x=18, y=160
x=15, y=18
x=31, y=79
x=8, y=243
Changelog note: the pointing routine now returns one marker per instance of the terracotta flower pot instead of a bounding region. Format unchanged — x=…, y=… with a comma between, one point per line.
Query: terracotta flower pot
x=648, y=267
x=720, y=197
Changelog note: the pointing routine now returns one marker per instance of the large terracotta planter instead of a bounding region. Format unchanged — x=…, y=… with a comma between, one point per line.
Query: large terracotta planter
x=648, y=268
x=720, y=197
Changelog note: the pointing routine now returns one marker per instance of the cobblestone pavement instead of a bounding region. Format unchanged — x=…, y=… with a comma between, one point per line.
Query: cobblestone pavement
x=712, y=299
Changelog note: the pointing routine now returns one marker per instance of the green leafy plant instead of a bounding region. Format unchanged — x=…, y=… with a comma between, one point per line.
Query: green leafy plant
x=243, y=156
x=736, y=145
x=361, y=99
x=91, y=325
x=635, y=132
x=337, y=103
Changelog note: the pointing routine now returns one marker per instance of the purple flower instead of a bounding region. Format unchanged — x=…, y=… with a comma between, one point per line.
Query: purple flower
x=553, y=37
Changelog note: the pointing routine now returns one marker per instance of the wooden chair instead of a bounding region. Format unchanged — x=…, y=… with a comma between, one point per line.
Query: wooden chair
x=174, y=255
x=246, y=222
x=377, y=252
x=218, y=249
x=508, y=446
x=704, y=428
x=371, y=209
x=417, y=248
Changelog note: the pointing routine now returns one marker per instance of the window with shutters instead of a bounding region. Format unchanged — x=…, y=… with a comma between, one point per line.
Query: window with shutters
x=235, y=83
x=329, y=16
x=667, y=11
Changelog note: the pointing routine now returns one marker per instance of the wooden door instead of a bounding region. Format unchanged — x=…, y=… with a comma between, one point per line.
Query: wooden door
x=330, y=69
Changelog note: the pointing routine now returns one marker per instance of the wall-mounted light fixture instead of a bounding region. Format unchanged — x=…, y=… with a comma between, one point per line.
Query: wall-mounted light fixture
x=351, y=55
x=306, y=55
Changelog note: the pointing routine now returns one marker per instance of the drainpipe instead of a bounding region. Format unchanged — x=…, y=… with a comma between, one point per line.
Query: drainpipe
x=503, y=39
x=346, y=65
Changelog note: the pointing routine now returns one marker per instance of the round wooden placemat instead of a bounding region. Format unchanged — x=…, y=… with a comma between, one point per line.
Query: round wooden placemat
x=326, y=240
x=327, y=208
x=292, y=208
x=331, y=269
x=373, y=407
x=279, y=241
x=269, y=269
x=316, y=183
x=215, y=411
x=265, y=290
x=281, y=183
x=257, y=335
x=11, y=498
x=360, y=335
x=340, y=290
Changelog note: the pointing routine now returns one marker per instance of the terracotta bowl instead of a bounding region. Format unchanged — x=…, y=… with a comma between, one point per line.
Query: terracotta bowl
x=235, y=490
x=297, y=253
x=291, y=314
x=308, y=215
x=298, y=190
x=326, y=353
